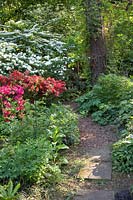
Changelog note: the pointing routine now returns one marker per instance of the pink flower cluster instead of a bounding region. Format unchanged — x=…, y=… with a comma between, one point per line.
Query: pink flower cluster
x=11, y=97
x=36, y=85
x=18, y=87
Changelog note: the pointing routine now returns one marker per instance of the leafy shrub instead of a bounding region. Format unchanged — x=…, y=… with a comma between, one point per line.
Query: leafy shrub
x=19, y=86
x=34, y=144
x=36, y=85
x=66, y=121
x=114, y=114
x=106, y=96
x=35, y=50
x=123, y=154
x=107, y=114
x=30, y=160
x=111, y=89
x=123, y=149
x=88, y=103
x=125, y=112
x=40, y=120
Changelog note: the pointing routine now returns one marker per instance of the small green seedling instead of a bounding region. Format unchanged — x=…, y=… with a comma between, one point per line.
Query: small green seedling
x=8, y=192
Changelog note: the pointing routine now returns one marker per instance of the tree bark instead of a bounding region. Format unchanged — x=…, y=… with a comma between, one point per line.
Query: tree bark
x=97, y=47
x=97, y=57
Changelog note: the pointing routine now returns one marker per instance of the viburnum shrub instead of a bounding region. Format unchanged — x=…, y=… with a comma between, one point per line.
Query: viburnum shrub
x=17, y=87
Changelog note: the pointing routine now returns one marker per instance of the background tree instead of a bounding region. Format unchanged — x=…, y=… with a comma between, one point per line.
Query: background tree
x=86, y=37
x=119, y=30
x=96, y=39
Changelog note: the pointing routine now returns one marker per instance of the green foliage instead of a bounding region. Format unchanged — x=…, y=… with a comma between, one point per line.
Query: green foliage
x=32, y=151
x=104, y=100
x=106, y=114
x=125, y=112
x=40, y=120
x=123, y=154
x=111, y=89
x=15, y=9
x=30, y=161
x=66, y=121
x=34, y=50
x=119, y=31
x=88, y=103
x=114, y=114
x=8, y=192
x=123, y=149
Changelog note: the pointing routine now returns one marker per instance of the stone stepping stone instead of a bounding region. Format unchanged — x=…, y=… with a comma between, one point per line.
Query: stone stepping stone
x=102, y=154
x=95, y=195
x=96, y=171
x=98, y=165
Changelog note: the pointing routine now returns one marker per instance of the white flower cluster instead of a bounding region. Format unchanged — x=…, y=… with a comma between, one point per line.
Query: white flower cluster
x=38, y=52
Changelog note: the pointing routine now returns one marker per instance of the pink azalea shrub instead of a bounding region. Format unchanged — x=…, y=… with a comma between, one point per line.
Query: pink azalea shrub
x=10, y=95
x=18, y=87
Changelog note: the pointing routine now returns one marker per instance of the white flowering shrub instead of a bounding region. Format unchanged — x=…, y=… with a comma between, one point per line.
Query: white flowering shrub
x=39, y=52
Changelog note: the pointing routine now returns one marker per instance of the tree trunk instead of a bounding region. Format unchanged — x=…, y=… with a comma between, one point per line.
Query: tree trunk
x=97, y=57
x=97, y=52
